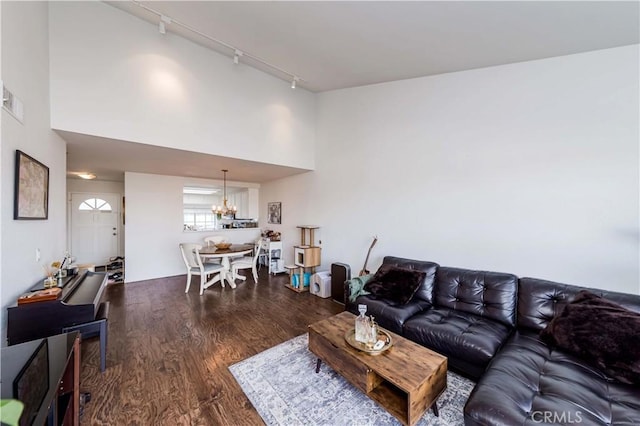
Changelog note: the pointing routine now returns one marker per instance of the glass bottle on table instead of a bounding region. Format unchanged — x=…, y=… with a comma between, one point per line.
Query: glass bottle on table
x=372, y=335
x=362, y=325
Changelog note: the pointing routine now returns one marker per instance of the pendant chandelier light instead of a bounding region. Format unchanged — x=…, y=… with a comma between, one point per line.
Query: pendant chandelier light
x=224, y=209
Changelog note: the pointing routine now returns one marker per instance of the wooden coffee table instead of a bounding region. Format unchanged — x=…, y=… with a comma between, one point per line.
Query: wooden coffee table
x=405, y=380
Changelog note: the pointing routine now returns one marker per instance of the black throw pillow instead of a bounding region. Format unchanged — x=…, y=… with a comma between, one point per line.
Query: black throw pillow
x=395, y=284
x=601, y=332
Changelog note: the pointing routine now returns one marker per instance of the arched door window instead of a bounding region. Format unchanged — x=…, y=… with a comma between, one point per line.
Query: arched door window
x=95, y=204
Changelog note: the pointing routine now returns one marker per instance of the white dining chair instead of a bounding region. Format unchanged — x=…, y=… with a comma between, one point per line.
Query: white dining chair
x=193, y=262
x=247, y=262
x=263, y=256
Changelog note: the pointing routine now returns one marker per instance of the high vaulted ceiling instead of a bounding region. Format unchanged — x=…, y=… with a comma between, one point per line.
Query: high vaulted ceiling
x=334, y=45
x=338, y=44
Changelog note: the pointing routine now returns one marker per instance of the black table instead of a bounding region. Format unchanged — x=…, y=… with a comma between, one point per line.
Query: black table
x=61, y=403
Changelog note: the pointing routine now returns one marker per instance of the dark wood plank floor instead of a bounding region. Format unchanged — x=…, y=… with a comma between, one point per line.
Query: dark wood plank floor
x=168, y=352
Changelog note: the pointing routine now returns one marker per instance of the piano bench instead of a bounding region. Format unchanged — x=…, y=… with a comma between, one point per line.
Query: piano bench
x=95, y=328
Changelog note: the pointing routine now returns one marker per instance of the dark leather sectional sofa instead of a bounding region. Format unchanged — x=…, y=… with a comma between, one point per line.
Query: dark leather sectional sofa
x=487, y=324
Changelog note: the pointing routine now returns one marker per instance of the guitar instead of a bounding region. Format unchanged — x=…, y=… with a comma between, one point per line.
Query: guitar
x=364, y=270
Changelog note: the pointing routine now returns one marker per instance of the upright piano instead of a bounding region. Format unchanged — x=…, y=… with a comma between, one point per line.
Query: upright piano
x=79, y=303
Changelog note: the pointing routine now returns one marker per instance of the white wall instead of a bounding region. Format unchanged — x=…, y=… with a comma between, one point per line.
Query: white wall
x=530, y=168
x=116, y=76
x=154, y=225
x=25, y=65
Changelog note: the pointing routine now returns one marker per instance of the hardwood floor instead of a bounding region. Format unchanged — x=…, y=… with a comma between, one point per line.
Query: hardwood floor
x=168, y=352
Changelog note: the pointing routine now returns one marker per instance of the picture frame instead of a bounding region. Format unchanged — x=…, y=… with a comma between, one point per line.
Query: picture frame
x=274, y=213
x=31, y=193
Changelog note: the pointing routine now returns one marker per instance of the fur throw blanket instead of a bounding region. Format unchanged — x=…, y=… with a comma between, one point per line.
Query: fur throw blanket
x=603, y=333
x=395, y=284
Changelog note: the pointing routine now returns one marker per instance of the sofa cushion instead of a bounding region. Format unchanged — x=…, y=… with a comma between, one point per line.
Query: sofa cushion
x=394, y=283
x=528, y=379
x=539, y=301
x=458, y=335
x=425, y=291
x=487, y=294
x=600, y=332
x=387, y=314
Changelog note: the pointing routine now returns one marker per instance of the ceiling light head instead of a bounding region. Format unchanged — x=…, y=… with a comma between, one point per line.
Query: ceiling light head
x=162, y=24
x=86, y=175
x=236, y=56
x=294, y=81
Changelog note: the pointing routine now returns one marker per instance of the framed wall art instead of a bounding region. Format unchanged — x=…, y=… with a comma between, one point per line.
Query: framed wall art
x=31, y=194
x=275, y=213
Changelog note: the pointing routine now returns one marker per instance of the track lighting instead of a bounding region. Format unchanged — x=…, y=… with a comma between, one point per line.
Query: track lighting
x=161, y=25
x=236, y=56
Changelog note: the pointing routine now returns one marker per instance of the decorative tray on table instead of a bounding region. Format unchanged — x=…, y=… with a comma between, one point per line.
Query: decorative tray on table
x=350, y=337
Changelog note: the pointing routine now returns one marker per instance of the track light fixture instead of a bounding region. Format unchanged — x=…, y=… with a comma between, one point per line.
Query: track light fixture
x=237, y=53
x=161, y=25
x=236, y=56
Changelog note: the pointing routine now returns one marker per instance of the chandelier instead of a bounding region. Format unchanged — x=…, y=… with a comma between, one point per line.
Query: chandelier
x=224, y=209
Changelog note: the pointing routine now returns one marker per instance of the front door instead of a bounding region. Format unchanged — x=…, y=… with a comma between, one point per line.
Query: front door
x=95, y=227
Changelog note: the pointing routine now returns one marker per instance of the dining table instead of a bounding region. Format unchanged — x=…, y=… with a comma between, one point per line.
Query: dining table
x=212, y=252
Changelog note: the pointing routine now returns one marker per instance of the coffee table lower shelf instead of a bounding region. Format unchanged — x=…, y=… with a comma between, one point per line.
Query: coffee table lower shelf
x=396, y=401
x=398, y=380
x=393, y=399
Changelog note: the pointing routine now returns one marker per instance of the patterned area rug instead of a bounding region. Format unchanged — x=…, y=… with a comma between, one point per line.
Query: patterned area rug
x=282, y=385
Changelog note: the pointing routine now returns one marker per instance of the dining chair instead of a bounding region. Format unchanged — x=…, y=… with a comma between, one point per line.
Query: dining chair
x=193, y=262
x=263, y=255
x=247, y=262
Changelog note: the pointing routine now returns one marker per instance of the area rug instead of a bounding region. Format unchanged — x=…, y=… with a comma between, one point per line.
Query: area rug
x=282, y=385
